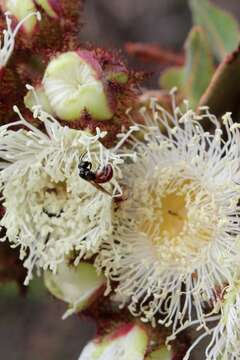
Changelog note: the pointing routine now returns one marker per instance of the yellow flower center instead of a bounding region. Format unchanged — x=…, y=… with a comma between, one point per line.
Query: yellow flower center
x=53, y=198
x=173, y=215
x=179, y=219
x=168, y=217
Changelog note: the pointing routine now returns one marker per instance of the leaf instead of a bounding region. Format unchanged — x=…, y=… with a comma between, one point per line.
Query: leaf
x=172, y=77
x=223, y=92
x=199, y=67
x=221, y=27
x=192, y=79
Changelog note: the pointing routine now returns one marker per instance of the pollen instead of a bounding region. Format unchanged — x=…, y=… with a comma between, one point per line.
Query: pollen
x=168, y=217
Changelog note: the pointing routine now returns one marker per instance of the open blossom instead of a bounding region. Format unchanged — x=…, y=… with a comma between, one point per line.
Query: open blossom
x=8, y=37
x=225, y=331
x=176, y=236
x=225, y=343
x=50, y=210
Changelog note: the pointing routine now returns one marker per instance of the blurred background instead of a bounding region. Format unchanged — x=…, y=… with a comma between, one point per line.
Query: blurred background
x=30, y=326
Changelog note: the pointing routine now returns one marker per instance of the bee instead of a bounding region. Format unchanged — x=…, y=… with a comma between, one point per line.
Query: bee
x=100, y=176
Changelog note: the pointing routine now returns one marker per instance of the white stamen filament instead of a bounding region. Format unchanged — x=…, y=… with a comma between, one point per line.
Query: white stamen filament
x=9, y=35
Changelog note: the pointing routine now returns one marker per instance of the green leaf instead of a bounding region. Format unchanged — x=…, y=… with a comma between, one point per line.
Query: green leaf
x=199, y=67
x=221, y=27
x=172, y=77
x=223, y=92
x=193, y=79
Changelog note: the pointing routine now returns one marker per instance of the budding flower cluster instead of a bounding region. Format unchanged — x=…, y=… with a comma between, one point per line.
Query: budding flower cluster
x=147, y=224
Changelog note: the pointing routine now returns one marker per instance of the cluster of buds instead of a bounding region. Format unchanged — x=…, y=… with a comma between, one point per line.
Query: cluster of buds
x=63, y=176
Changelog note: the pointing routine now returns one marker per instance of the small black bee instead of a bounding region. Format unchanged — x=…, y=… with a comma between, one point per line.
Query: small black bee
x=95, y=178
x=85, y=171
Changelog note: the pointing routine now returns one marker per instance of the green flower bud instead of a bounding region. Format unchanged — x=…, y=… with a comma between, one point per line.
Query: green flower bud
x=127, y=342
x=118, y=75
x=38, y=97
x=20, y=9
x=73, y=85
x=163, y=353
x=48, y=6
x=76, y=285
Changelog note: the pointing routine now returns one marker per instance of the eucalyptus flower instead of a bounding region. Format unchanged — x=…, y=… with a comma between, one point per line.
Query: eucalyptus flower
x=50, y=210
x=225, y=328
x=225, y=342
x=177, y=234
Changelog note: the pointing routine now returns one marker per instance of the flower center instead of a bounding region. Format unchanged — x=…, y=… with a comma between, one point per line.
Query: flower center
x=168, y=217
x=173, y=215
x=53, y=199
x=179, y=219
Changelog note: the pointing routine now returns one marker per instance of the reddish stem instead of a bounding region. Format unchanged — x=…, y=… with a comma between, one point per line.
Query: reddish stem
x=153, y=52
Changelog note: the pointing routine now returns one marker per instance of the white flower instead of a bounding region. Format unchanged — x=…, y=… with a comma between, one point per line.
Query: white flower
x=50, y=210
x=225, y=343
x=8, y=41
x=225, y=332
x=177, y=235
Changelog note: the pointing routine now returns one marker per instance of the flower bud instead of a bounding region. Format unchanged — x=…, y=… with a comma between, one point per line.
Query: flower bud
x=76, y=285
x=52, y=8
x=20, y=9
x=73, y=85
x=163, y=353
x=38, y=97
x=127, y=342
x=59, y=26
